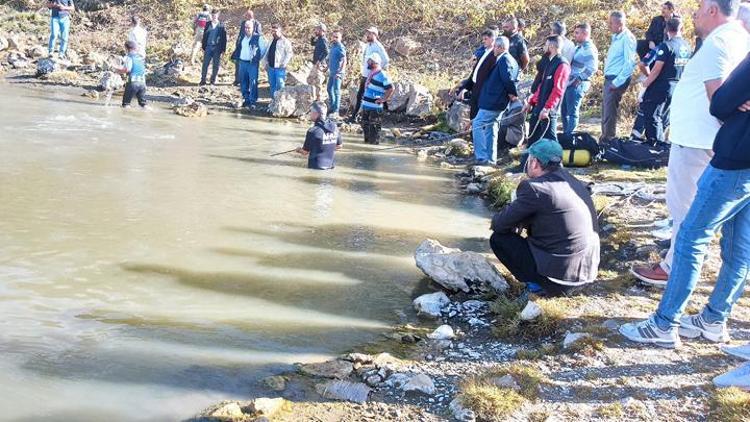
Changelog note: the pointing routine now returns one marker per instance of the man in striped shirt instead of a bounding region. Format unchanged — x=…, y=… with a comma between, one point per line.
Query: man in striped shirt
x=378, y=90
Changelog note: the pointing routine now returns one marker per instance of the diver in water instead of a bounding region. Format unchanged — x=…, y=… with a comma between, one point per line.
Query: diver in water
x=322, y=139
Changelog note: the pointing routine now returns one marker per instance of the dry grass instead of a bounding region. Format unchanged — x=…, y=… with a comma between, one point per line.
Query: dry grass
x=511, y=327
x=500, y=191
x=493, y=403
x=730, y=405
x=611, y=411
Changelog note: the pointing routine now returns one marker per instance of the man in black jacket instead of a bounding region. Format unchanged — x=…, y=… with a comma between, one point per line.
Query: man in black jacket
x=561, y=250
x=657, y=30
x=472, y=86
x=322, y=140
x=214, y=45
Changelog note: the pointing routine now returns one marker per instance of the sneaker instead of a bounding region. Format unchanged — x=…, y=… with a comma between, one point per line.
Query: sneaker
x=694, y=326
x=648, y=333
x=738, y=377
x=653, y=275
x=663, y=233
x=534, y=288
x=742, y=352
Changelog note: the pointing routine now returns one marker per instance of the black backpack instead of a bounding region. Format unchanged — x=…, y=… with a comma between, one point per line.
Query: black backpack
x=636, y=154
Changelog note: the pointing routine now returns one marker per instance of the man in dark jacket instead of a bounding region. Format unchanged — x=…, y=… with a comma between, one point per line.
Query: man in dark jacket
x=721, y=202
x=544, y=104
x=657, y=30
x=479, y=73
x=257, y=30
x=498, y=90
x=320, y=53
x=560, y=252
x=322, y=140
x=214, y=45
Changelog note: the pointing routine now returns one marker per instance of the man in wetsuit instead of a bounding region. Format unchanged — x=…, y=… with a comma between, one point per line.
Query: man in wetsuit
x=322, y=140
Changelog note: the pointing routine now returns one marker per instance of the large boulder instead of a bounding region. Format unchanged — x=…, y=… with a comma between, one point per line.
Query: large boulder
x=110, y=81
x=292, y=101
x=335, y=368
x=45, y=66
x=420, y=101
x=299, y=76
x=406, y=46
x=400, y=98
x=4, y=43
x=452, y=268
x=458, y=116
x=420, y=383
x=36, y=52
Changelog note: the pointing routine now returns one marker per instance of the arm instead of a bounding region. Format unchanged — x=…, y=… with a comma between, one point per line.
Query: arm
x=52, y=5
x=384, y=55
x=518, y=211
x=592, y=63
x=506, y=77
x=305, y=149
x=524, y=59
x=388, y=94
x=653, y=74
x=204, y=40
x=626, y=72
x=560, y=82
x=223, y=40
x=342, y=68
x=288, y=52
x=652, y=31
x=733, y=94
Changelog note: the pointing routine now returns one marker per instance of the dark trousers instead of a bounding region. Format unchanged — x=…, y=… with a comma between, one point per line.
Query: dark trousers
x=360, y=94
x=513, y=252
x=136, y=89
x=611, y=107
x=236, y=71
x=371, y=124
x=212, y=54
x=653, y=117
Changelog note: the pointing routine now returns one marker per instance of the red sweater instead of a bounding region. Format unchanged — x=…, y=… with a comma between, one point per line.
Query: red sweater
x=560, y=81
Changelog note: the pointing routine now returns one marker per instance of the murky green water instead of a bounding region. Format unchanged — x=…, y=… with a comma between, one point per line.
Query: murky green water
x=151, y=264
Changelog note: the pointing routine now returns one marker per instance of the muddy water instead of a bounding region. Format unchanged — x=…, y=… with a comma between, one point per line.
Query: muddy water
x=152, y=264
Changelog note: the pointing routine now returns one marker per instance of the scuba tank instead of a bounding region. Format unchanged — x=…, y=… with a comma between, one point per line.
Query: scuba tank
x=576, y=158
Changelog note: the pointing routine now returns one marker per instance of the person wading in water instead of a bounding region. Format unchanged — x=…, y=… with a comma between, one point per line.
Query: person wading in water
x=322, y=140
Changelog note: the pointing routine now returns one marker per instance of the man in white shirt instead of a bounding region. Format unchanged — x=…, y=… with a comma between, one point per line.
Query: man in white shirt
x=138, y=35
x=372, y=46
x=693, y=128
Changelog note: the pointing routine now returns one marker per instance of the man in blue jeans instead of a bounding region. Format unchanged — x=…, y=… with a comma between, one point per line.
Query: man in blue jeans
x=250, y=50
x=583, y=66
x=278, y=57
x=60, y=24
x=722, y=201
x=336, y=71
x=498, y=90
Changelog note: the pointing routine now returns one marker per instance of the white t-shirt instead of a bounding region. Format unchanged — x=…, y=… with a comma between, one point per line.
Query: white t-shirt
x=568, y=49
x=691, y=123
x=487, y=52
x=139, y=36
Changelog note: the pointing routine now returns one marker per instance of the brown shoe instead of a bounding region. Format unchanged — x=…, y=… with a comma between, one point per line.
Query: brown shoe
x=653, y=275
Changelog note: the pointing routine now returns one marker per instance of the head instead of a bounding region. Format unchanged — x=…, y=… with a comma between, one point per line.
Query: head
x=510, y=26
x=249, y=15
x=318, y=111
x=276, y=30
x=744, y=16
x=667, y=9
x=552, y=45
x=674, y=27
x=617, y=21
x=374, y=61
x=371, y=34
x=557, y=28
x=215, y=15
x=320, y=29
x=501, y=45
x=488, y=38
x=205, y=7
x=545, y=155
x=582, y=32
x=336, y=36
x=712, y=14
x=135, y=20
x=521, y=24
x=130, y=46
x=248, y=27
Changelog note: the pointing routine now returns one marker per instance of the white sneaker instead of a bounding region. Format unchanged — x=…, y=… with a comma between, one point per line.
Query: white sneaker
x=738, y=377
x=664, y=233
x=694, y=326
x=647, y=332
x=742, y=352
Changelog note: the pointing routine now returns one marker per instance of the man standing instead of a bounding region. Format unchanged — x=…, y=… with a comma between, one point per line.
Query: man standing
x=214, y=45
x=482, y=69
x=657, y=30
x=250, y=50
x=517, y=48
x=488, y=43
x=322, y=140
x=279, y=55
x=257, y=29
x=336, y=73
x=498, y=90
x=60, y=11
x=138, y=35
x=561, y=250
x=544, y=104
x=373, y=46
x=378, y=90
x=320, y=53
x=135, y=68
x=693, y=129
x=583, y=66
x=567, y=49
x=199, y=25
x=617, y=72
x=670, y=58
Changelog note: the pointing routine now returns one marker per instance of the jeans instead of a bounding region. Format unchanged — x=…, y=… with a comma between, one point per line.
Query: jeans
x=611, y=107
x=372, y=121
x=571, y=105
x=484, y=131
x=276, y=79
x=249, y=82
x=334, y=93
x=653, y=117
x=212, y=54
x=137, y=90
x=59, y=27
x=722, y=201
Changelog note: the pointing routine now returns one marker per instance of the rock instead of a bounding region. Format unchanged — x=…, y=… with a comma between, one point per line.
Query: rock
x=4, y=43
x=611, y=325
x=360, y=358
x=174, y=68
x=473, y=305
x=45, y=67
x=94, y=59
x=444, y=98
x=355, y=392
x=431, y=304
x=506, y=381
x=110, y=81
x=20, y=64
x=63, y=77
x=292, y=101
x=374, y=380
x=91, y=93
x=459, y=148
x=531, y=311
x=406, y=46
x=473, y=188
x=275, y=383
x=461, y=413
x=400, y=98
x=382, y=359
x=397, y=380
x=422, y=155
x=443, y=332
x=72, y=56
x=228, y=411
x=14, y=43
x=458, y=116
x=330, y=369
x=572, y=338
x=36, y=52
x=180, y=51
x=194, y=110
x=265, y=406
x=420, y=101
x=452, y=267
x=420, y=383
x=299, y=77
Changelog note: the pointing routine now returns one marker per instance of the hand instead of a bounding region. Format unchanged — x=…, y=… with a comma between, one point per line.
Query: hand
x=544, y=115
x=379, y=101
x=461, y=94
x=745, y=107
x=338, y=147
x=512, y=97
x=651, y=45
x=526, y=107
x=338, y=76
x=299, y=150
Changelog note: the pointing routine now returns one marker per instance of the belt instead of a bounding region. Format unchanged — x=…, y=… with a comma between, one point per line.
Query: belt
x=137, y=79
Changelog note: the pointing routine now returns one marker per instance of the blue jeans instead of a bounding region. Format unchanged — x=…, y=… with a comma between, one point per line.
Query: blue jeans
x=276, y=79
x=722, y=201
x=571, y=105
x=334, y=93
x=249, y=82
x=59, y=27
x=484, y=129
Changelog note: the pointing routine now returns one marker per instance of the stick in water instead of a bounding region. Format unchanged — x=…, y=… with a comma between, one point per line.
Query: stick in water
x=283, y=152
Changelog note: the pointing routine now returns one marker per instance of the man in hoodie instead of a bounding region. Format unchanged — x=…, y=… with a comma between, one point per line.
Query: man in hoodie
x=322, y=140
x=320, y=54
x=373, y=46
x=378, y=90
x=214, y=45
x=279, y=55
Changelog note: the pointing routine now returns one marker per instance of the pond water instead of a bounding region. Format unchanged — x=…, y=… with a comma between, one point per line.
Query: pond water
x=151, y=265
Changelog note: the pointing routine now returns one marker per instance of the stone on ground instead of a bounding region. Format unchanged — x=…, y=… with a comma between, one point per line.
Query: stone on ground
x=572, y=338
x=265, y=406
x=459, y=148
x=194, y=110
x=443, y=332
x=406, y=46
x=275, y=383
x=36, y=52
x=460, y=412
x=531, y=311
x=506, y=381
x=420, y=383
x=431, y=304
x=458, y=116
x=4, y=43
x=452, y=267
x=229, y=411
x=355, y=392
x=420, y=101
x=292, y=101
x=400, y=98
x=330, y=369
x=45, y=66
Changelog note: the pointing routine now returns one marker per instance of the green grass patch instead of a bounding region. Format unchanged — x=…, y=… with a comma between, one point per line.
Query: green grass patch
x=500, y=191
x=511, y=327
x=730, y=405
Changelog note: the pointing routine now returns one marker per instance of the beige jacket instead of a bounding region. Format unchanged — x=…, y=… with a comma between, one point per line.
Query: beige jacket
x=284, y=53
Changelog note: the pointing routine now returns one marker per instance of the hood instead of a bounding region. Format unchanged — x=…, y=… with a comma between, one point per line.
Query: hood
x=328, y=126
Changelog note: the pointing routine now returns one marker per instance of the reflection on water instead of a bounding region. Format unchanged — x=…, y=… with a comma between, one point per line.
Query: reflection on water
x=152, y=264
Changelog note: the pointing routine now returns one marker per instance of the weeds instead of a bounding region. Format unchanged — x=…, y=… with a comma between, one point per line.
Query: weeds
x=494, y=403
x=730, y=405
x=500, y=191
x=511, y=327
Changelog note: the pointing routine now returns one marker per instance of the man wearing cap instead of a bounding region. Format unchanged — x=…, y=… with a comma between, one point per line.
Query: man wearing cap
x=378, y=90
x=320, y=53
x=372, y=46
x=322, y=140
x=560, y=252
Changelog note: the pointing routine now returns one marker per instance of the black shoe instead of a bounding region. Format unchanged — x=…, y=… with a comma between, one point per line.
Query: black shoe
x=202, y=83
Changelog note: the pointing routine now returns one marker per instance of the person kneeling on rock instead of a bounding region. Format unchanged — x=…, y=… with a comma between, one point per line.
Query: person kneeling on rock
x=135, y=68
x=560, y=252
x=322, y=140
x=378, y=90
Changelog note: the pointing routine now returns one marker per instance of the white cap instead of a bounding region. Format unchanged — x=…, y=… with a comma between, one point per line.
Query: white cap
x=373, y=29
x=375, y=57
